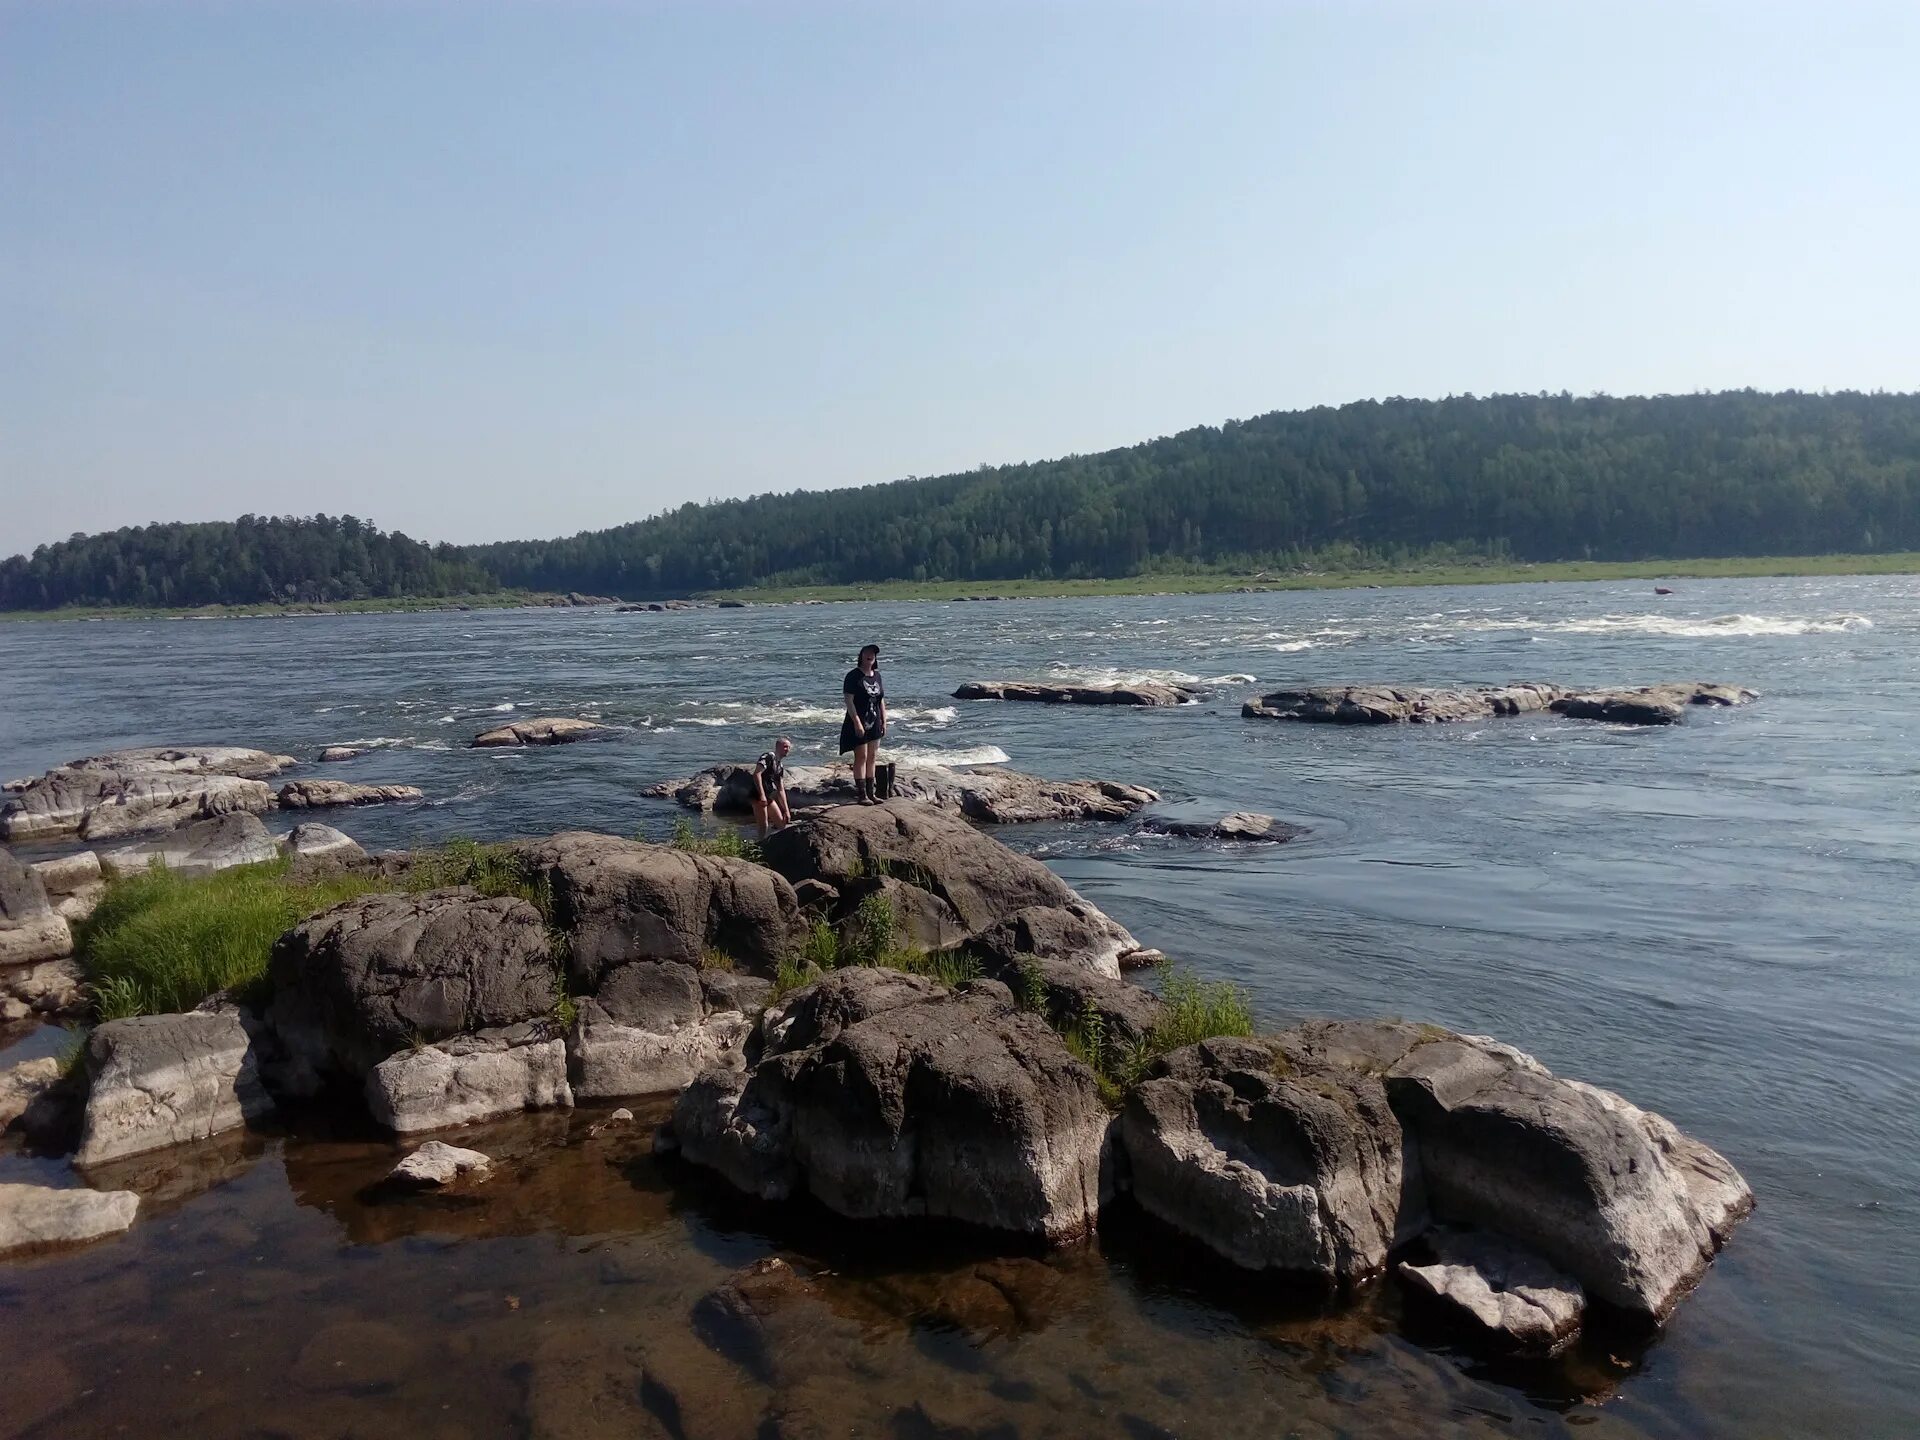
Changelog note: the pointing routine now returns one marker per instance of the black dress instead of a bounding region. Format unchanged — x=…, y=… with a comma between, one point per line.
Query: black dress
x=867, y=692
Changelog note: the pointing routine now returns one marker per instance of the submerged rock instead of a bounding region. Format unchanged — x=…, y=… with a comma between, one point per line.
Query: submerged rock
x=545, y=730
x=884, y=1094
x=377, y=974
x=318, y=794
x=437, y=1163
x=620, y=900
x=470, y=1077
x=1240, y=825
x=37, y=1217
x=987, y=793
x=1147, y=693
x=654, y=1025
x=1663, y=704
x=984, y=889
x=159, y=1080
x=1507, y=1298
x=199, y=848
x=127, y=792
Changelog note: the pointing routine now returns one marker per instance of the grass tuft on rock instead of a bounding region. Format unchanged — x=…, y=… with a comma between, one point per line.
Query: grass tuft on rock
x=726, y=842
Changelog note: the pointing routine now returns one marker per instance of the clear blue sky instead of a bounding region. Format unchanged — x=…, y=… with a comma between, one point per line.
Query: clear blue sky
x=485, y=270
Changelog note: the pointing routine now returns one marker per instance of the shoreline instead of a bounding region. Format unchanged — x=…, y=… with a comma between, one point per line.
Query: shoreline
x=1199, y=583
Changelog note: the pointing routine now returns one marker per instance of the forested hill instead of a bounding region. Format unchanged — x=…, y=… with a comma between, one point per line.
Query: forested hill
x=252, y=560
x=1518, y=476
x=1533, y=477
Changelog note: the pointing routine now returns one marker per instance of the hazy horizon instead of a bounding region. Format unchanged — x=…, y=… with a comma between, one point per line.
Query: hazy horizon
x=509, y=272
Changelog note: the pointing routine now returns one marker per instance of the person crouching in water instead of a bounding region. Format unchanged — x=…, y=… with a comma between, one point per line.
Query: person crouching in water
x=866, y=720
x=770, y=801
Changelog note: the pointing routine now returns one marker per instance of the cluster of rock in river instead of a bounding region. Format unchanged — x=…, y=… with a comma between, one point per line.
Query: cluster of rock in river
x=1330, y=1150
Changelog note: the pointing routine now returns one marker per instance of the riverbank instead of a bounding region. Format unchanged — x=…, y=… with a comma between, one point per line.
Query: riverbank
x=395, y=605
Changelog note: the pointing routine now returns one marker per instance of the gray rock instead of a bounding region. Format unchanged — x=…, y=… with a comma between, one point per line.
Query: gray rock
x=50, y=988
x=987, y=793
x=654, y=1025
x=1651, y=704
x=22, y=1084
x=622, y=900
x=131, y=792
x=469, y=1078
x=160, y=1080
x=1241, y=825
x=884, y=1094
x=70, y=874
x=1145, y=694
x=374, y=975
x=989, y=891
x=311, y=838
x=1272, y=1165
x=35, y=1217
x=31, y=931
x=437, y=1163
x=1508, y=1299
x=199, y=848
x=1662, y=704
x=334, y=754
x=319, y=794
x=545, y=730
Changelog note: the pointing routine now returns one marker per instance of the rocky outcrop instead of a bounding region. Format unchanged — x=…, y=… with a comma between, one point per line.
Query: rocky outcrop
x=655, y=1024
x=31, y=930
x=545, y=730
x=1274, y=1166
x=470, y=1077
x=987, y=794
x=197, y=849
x=377, y=974
x=621, y=900
x=36, y=1217
x=74, y=884
x=128, y=792
x=1327, y=1144
x=1147, y=693
x=989, y=891
x=1506, y=1299
x=314, y=840
x=159, y=1080
x=1241, y=825
x=887, y=1095
x=1662, y=704
x=436, y=1164
x=51, y=989
x=319, y=794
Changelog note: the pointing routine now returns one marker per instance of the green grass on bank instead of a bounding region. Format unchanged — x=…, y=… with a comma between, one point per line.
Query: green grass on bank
x=161, y=942
x=1219, y=582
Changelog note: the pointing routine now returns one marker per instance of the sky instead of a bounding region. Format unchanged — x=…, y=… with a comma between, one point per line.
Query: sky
x=482, y=270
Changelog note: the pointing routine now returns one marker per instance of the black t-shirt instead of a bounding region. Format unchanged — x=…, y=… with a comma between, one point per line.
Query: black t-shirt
x=867, y=691
x=771, y=773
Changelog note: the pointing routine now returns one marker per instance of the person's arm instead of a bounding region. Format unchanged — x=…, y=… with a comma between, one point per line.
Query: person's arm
x=883, y=705
x=760, y=783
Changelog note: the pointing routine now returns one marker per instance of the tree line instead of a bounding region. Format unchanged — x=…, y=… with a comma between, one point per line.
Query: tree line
x=1527, y=477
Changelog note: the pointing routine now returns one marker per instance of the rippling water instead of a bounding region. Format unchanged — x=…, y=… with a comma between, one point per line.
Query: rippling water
x=1718, y=920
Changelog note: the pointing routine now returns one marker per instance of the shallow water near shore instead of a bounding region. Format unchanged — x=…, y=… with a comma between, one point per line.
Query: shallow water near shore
x=1718, y=920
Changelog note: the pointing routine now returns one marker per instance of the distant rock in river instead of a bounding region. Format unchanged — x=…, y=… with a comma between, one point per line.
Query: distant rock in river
x=546, y=730
x=987, y=793
x=1147, y=694
x=1664, y=704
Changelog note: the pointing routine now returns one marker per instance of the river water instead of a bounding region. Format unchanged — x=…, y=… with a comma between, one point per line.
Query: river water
x=1718, y=920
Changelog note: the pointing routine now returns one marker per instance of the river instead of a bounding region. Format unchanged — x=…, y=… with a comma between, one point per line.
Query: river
x=1718, y=920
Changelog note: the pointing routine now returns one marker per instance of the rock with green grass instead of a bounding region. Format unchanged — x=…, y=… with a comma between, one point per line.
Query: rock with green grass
x=199, y=848
x=160, y=1080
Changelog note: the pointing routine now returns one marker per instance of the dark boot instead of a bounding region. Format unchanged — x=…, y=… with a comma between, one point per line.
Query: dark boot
x=867, y=797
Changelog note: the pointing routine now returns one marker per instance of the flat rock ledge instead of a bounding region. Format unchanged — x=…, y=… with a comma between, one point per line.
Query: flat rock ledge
x=130, y=792
x=1147, y=694
x=319, y=794
x=545, y=730
x=1241, y=826
x=985, y=793
x=1506, y=1299
x=1663, y=704
x=37, y=1217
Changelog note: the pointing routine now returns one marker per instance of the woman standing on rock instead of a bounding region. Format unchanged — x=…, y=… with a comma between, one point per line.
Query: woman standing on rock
x=866, y=722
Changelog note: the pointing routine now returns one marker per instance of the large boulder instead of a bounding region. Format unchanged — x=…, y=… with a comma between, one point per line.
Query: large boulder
x=656, y=1024
x=623, y=900
x=1003, y=898
x=1273, y=1165
x=1146, y=693
x=887, y=1095
x=544, y=730
x=470, y=1077
x=311, y=840
x=1651, y=704
x=128, y=792
x=985, y=793
x=31, y=930
x=199, y=848
x=36, y=1217
x=159, y=1080
x=319, y=794
x=376, y=974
